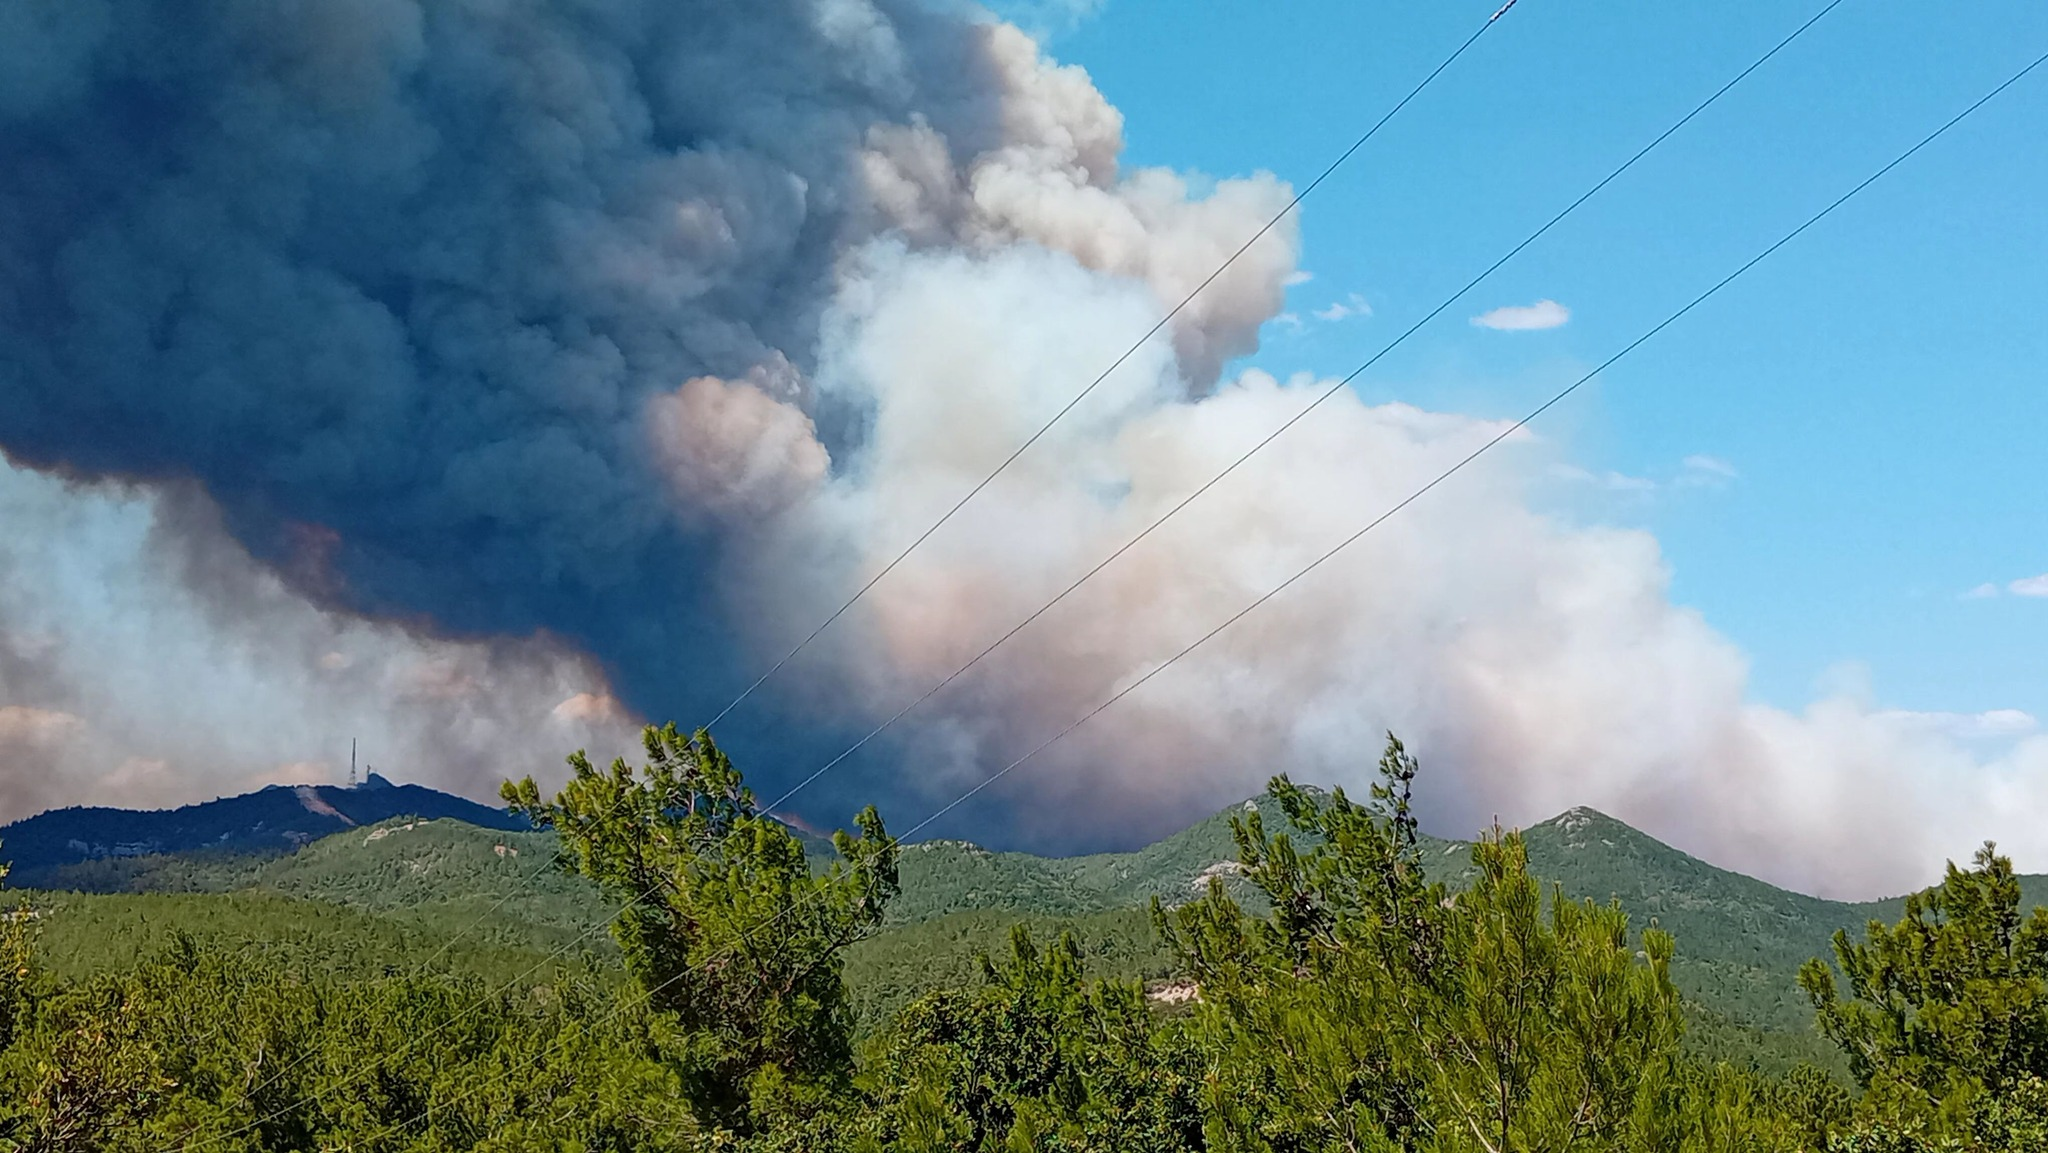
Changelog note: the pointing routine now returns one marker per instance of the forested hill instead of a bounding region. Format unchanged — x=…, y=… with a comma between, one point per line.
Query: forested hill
x=1740, y=940
x=47, y=849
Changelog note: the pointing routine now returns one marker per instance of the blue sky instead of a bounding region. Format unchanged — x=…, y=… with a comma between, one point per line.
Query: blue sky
x=1878, y=387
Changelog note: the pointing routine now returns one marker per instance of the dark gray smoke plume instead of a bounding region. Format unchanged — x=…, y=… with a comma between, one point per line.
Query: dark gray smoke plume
x=395, y=281
x=499, y=318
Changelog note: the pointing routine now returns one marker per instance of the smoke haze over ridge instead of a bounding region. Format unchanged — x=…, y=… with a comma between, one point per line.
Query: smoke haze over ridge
x=479, y=377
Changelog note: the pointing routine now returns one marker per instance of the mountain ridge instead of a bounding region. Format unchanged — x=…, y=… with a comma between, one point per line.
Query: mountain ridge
x=1740, y=940
x=273, y=820
x=281, y=819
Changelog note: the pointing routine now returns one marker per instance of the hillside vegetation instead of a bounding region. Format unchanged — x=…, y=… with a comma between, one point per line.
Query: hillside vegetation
x=1299, y=973
x=83, y=935
x=438, y=913
x=1740, y=941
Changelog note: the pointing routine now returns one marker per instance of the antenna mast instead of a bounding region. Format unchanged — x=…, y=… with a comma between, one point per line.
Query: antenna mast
x=351, y=762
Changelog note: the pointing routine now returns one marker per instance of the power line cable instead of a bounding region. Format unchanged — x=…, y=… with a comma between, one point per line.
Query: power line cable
x=1269, y=438
x=1331, y=391
x=1269, y=225
x=1517, y=426
x=1114, y=365
x=1636, y=157
x=898, y=840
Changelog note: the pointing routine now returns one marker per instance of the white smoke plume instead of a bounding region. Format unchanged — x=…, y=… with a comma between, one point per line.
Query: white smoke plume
x=147, y=661
x=1535, y=663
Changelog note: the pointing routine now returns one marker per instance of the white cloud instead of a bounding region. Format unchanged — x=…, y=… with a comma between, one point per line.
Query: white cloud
x=1291, y=321
x=1609, y=480
x=1702, y=471
x=1524, y=317
x=2033, y=586
x=1695, y=471
x=1352, y=305
x=1993, y=724
x=1298, y=276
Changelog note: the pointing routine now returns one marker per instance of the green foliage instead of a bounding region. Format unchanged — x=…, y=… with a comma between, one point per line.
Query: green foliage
x=1946, y=1023
x=1356, y=986
x=1715, y=1038
x=1740, y=941
x=723, y=921
x=81, y=936
x=896, y=966
x=941, y=878
x=2014, y=1121
x=1372, y=1009
x=1179, y=867
x=200, y=1048
x=447, y=873
x=17, y=965
x=1037, y=1057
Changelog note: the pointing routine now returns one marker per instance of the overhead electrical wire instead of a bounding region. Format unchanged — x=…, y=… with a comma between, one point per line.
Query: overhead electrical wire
x=1160, y=325
x=1676, y=126
x=1504, y=434
x=1078, y=397
x=1326, y=394
x=1440, y=478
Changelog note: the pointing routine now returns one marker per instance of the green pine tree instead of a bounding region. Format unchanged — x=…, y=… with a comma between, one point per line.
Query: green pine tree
x=1374, y=1010
x=1946, y=1022
x=724, y=922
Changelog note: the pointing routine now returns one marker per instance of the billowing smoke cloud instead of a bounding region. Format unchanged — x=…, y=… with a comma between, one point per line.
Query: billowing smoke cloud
x=414, y=280
x=146, y=659
x=477, y=362
x=1536, y=662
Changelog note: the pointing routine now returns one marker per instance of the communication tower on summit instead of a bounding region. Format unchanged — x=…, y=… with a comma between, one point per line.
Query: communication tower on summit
x=351, y=762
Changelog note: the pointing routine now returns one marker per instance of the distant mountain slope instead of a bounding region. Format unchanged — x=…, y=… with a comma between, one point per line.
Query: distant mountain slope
x=1740, y=940
x=944, y=877
x=443, y=870
x=1177, y=868
x=273, y=820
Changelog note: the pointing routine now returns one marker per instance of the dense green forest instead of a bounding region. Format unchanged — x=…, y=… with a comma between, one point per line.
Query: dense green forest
x=664, y=966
